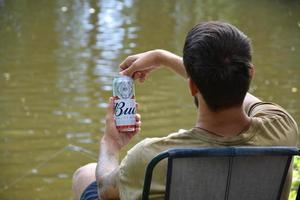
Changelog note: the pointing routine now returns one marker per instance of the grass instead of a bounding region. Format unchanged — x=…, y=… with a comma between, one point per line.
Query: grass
x=296, y=178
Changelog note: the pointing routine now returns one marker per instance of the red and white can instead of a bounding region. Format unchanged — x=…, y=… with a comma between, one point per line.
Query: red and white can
x=125, y=106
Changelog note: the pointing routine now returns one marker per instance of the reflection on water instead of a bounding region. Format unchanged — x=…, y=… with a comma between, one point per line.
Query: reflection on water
x=58, y=59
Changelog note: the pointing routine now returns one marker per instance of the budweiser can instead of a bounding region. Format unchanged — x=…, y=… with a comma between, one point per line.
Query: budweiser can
x=125, y=106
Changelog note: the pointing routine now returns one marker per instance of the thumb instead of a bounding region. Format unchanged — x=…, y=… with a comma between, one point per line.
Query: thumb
x=110, y=110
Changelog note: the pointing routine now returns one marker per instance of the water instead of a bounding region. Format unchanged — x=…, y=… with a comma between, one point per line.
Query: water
x=58, y=59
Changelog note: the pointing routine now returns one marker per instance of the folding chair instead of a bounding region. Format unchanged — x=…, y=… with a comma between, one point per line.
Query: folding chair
x=229, y=173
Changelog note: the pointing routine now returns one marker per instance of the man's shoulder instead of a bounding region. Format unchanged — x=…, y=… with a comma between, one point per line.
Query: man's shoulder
x=268, y=111
x=266, y=108
x=274, y=123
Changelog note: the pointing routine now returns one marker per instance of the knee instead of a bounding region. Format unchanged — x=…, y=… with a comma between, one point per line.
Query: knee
x=82, y=177
x=84, y=172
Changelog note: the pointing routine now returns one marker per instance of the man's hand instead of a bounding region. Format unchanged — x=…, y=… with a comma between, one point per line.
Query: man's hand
x=112, y=135
x=139, y=65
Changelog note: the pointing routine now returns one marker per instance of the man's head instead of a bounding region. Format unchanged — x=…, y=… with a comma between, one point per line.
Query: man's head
x=217, y=58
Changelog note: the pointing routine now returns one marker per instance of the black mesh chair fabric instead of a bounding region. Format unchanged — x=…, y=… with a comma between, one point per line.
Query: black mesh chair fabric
x=231, y=173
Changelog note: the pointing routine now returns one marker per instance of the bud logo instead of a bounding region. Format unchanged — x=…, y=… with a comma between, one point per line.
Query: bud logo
x=121, y=109
x=125, y=111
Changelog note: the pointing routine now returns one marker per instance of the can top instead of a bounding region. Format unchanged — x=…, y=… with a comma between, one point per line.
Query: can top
x=123, y=87
x=123, y=77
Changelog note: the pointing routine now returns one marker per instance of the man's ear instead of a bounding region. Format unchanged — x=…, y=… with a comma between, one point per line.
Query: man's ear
x=193, y=88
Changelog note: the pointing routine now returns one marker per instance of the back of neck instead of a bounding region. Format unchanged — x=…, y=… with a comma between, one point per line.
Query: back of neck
x=226, y=123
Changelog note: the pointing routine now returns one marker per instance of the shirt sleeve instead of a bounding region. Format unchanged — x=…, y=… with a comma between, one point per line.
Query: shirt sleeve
x=265, y=109
x=277, y=123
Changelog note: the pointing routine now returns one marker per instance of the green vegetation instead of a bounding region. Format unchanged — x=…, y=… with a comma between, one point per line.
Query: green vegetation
x=296, y=178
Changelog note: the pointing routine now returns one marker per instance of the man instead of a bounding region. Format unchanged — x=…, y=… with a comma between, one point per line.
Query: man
x=217, y=64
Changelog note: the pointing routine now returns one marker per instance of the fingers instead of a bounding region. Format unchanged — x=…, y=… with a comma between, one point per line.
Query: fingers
x=137, y=129
x=137, y=75
x=130, y=70
x=138, y=123
x=127, y=62
x=127, y=67
x=141, y=75
x=137, y=117
x=138, y=66
x=142, y=78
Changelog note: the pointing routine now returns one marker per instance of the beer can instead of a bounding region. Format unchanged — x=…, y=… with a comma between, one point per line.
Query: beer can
x=124, y=103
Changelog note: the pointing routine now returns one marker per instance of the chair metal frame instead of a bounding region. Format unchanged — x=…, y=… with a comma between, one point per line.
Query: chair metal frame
x=216, y=151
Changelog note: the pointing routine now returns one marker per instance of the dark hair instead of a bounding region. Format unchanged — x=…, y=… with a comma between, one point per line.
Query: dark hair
x=217, y=57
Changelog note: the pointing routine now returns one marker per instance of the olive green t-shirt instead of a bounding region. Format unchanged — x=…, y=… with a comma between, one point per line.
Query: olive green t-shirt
x=271, y=125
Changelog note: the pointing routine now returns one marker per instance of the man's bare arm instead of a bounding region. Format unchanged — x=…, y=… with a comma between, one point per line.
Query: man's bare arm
x=172, y=61
x=140, y=65
x=107, y=171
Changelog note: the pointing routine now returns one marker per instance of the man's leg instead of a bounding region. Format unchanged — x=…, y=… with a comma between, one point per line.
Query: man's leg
x=82, y=178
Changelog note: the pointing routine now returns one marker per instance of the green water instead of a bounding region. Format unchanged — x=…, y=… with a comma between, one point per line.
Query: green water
x=58, y=59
